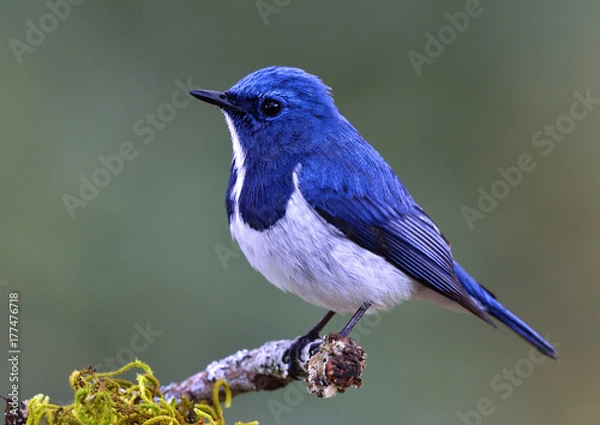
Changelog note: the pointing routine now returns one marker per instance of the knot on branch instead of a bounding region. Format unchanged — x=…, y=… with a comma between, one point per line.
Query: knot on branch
x=329, y=365
x=337, y=365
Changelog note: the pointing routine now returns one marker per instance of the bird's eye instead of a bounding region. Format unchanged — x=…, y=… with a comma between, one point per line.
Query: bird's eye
x=271, y=107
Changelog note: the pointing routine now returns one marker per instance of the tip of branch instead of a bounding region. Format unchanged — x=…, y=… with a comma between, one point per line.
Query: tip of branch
x=337, y=365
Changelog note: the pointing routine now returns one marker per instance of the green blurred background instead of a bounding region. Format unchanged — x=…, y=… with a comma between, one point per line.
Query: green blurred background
x=144, y=252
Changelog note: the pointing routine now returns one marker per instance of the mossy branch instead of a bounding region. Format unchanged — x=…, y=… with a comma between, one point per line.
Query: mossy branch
x=329, y=365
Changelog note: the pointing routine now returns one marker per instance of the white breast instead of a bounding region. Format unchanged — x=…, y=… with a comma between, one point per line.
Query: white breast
x=307, y=256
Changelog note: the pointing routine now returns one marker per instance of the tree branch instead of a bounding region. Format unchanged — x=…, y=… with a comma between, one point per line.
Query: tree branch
x=329, y=366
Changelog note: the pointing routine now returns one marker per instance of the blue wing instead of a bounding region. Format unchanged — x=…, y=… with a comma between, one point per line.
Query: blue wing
x=371, y=207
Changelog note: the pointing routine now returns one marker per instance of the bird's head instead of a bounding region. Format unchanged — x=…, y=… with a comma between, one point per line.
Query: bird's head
x=275, y=109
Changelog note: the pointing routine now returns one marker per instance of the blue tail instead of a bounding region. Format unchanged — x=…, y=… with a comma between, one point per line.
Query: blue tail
x=495, y=309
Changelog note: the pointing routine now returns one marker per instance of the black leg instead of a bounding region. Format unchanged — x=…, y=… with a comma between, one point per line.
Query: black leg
x=354, y=320
x=316, y=330
x=313, y=334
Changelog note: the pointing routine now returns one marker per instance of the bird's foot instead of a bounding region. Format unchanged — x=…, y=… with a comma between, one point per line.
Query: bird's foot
x=300, y=352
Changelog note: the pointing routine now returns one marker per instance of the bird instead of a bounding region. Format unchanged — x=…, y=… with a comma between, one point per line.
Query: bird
x=320, y=213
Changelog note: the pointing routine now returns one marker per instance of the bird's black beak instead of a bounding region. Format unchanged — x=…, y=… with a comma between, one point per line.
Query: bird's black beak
x=217, y=98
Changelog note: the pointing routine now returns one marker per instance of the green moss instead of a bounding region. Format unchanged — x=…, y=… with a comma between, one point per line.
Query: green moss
x=103, y=398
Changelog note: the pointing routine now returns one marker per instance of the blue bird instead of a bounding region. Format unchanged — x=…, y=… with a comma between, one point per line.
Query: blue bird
x=321, y=214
